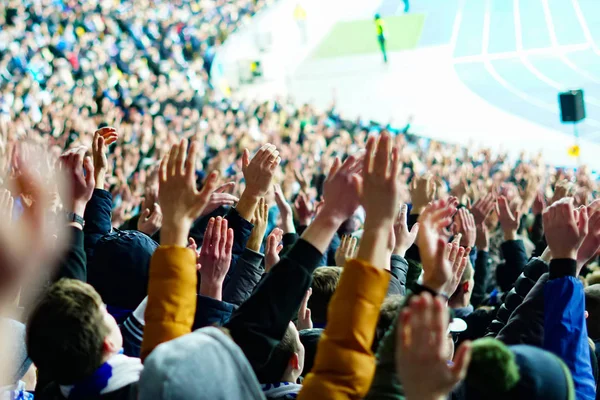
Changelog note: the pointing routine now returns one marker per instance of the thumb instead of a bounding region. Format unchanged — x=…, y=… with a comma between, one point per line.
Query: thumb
x=307, y=314
x=145, y=214
x=414, y=230
x=245, y=159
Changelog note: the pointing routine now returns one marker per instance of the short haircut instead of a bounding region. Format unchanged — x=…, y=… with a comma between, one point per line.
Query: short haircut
x=325, y=281
x=387, y=314
x=66, y=332
x=592, y=306
x=274, y=369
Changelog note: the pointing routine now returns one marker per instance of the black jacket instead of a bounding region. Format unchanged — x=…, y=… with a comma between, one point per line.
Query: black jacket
x=259, y=324
x=52, y=392
x=247, y=272
x=399, y=269
x=532, y=272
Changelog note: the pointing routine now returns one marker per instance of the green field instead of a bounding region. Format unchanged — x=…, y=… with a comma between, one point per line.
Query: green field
x=359, y=37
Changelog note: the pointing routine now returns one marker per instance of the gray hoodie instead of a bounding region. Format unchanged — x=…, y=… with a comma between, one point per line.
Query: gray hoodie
x=205, y=364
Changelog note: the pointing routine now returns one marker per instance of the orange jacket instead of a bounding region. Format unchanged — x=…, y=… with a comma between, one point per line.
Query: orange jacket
x=171, y=296
x=344, y=365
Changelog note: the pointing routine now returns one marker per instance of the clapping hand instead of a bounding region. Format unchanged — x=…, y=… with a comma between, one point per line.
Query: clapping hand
x=272, y=248
x=80, y=172
x=565, y=228
x=260, y=221
x=464, y=224
x=403, y=237
x=422, y=192
x=103, y=138
x=220, y=197
x=346, y=250
x=215, y=257
x=437, y=270
x=150, y=220
x=509, y=220
x=304, y=316
x=482, y=208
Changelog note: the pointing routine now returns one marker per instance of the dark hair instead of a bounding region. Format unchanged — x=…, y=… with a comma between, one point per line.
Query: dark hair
x=274, y=369
x=387, y=315
x=66, y=331
x=325, y=281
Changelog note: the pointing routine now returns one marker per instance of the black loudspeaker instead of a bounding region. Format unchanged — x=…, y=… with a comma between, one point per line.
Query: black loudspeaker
x=572, y=107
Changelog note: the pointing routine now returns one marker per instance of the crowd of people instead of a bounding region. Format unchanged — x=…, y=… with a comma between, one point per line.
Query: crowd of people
x=159, y=243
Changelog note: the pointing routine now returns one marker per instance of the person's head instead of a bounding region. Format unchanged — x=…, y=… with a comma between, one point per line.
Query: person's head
x=119, y=270
x=377, y=17
x=387, y=315
x=70, y=333
x=287, y=361
x=500, y=372
x=592, y=306
x=325, y=281
x=462, y=296
x=205, y=364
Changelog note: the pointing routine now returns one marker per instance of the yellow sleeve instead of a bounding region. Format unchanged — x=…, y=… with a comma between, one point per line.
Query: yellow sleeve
x=171, y=296
x=344, y=365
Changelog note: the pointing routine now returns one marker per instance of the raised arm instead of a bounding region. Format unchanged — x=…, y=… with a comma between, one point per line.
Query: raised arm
x=565, y=331
x=260, y=323
x=173, y=280
x=344, y=364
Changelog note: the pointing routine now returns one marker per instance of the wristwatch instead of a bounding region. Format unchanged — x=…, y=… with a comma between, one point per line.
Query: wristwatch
x=72, y=217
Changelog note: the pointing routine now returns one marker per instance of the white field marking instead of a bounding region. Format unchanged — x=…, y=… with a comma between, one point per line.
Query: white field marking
x=456, y=25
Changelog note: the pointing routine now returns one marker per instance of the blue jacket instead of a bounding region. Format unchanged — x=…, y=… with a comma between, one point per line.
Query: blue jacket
x=565, y=331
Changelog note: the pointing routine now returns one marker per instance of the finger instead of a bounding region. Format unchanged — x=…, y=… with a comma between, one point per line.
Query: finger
x=223, y=238
x=215, y=243
x=583, y=222
x=370, y=147
x=439, y=324
x=382, y=154
x=162, y=169
x=245, y=159
x=89, y=172
x=335, y=166
x=414, y=231
x=181, y=157
x=190, y=164
x=395, y=167
x=279, y=248
x=225, y=188
x=208, y=236
x=172, y=167
x=145, y=214
x=203, y=196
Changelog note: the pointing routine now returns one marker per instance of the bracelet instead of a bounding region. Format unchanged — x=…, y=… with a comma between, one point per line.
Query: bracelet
x=72, y=217
x=418, y=289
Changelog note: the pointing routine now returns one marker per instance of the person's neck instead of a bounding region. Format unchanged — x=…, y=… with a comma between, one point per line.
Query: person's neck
x=460, y=301
x=290, y=376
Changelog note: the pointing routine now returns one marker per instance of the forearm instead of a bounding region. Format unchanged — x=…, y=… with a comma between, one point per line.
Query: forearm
x=74, y=265
x=321, y=231
x=373, y=246
x=247, y=205
x=287, y=224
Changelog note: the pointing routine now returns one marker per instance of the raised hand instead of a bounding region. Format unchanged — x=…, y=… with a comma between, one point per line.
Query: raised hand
x=258, y=174
x=179, y=198
x=509, y=221
x=193, y=246
x=562, y=189
x=215, y=257
x=380, y=199
x=220, y=197
x=539, y=203
x=565, y=228
x=272, y=248
x=465, y=225
x=482, y=208
x=342, y=187
x=305, y=211
x=150, y=220
x=346, y=250
x=103, y=138
x=403, y=237
x=591, y=244
x=458, y=258
x=422, y=192
x=437, y=270
x=285, y=210
x=260, y=221
x=304, y=320
x=80, y=172
x=421, y=354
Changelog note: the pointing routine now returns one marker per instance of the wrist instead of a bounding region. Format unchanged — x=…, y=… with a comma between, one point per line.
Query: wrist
x=417, y=210
x=564, y=255
x=510, y=235
x=330, y=214
x=100, y=178
x=78, y=207
x=211, y=289
x=399, y=251
x=175, y=234
x=287, y=224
